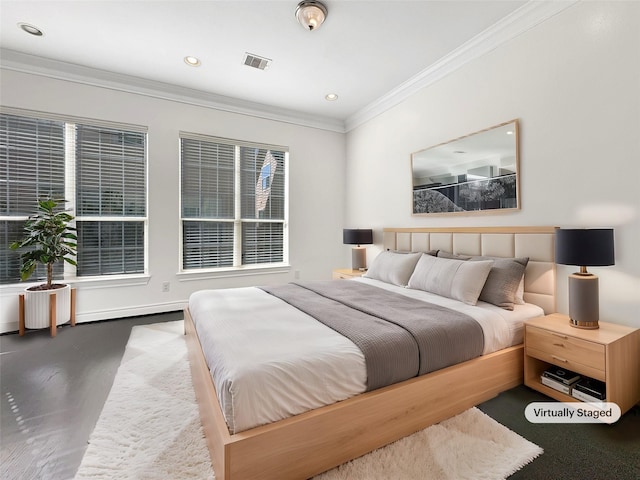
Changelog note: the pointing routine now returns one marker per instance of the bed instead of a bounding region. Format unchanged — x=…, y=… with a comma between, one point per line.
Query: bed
x=323, y=437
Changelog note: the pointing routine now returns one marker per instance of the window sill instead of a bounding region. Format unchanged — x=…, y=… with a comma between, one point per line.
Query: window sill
x=86, y=283
x=194, y=275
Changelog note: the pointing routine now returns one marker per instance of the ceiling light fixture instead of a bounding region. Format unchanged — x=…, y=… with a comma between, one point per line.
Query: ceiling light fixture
x=331, y=97
x=311, y=14
x=192, y=61
x=31, y=29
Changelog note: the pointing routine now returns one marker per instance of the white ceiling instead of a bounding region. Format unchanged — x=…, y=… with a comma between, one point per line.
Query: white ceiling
x=367, y=52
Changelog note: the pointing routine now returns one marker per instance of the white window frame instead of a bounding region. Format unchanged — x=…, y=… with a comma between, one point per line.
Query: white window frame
x=237, y=269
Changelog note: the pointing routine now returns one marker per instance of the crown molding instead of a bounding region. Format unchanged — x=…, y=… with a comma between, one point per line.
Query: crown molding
x=526, y=17
x=21, y=62
x=519, y=21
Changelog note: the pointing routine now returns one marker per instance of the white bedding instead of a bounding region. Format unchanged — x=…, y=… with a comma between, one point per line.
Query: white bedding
x=296, y=363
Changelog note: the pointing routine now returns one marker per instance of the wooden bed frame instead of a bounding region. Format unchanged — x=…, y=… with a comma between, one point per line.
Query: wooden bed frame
x=313, y=442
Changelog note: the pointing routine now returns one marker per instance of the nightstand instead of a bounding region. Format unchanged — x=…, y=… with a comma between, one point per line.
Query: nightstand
x=346, y=273
x=610, y=354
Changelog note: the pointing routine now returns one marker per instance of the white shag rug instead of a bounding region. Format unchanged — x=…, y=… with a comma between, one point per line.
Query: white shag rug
x=150, y=429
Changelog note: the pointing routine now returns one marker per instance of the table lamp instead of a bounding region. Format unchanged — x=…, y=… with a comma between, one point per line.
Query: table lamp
x=358, y=237
x=586, y=247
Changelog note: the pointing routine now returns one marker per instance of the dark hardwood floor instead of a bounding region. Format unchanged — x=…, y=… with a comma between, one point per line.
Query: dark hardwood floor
x=53, y=391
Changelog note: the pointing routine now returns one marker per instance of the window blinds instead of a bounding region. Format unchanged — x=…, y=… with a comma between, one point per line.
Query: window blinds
x=32, y=165
x=262, y=185
x=208, y=179
x=110, y=179
x=110, y=248
x=207, y=244
x=31, y=161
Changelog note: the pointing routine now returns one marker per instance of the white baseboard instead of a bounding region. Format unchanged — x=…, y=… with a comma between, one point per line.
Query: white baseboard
x=112, y=314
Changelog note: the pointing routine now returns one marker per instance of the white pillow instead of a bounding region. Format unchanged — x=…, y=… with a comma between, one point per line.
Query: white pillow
x=457, y=279
x=392, y=267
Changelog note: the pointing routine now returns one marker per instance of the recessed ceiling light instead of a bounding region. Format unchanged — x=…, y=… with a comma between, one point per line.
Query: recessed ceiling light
x=509, y=132
x=192, y=61
x=32, y=29
x=331, y=97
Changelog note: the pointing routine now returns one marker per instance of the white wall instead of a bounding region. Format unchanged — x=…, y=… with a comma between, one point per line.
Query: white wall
x=574, y=83
x=316, y=185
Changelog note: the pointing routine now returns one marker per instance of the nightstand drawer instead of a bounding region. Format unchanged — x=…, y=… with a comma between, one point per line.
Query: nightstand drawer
x=566, y=363
x=563, y=349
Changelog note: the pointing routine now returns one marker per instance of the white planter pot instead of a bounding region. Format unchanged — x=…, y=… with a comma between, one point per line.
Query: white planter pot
x=36, y=307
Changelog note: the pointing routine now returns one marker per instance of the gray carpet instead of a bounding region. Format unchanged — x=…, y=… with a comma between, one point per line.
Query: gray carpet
x=571, y=451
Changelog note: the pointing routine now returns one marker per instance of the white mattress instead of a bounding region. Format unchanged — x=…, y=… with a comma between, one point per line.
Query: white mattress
x=295, y=363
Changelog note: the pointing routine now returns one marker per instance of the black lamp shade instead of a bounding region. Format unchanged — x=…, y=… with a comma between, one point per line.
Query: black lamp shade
x=585, y=247
x=357, y=236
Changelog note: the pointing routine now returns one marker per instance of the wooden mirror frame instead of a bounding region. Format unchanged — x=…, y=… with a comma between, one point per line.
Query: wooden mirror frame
x=476, y=173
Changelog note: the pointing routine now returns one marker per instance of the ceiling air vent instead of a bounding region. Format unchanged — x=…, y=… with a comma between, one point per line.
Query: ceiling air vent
x=255, y=61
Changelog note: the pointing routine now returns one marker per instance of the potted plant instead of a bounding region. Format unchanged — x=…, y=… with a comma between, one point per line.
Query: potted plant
x=50, y=238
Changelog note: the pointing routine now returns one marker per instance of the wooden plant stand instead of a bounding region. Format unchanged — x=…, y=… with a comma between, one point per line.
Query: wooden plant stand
x=52, y=313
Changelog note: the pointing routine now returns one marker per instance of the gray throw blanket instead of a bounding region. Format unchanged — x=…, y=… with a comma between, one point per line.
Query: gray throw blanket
x=400, y=337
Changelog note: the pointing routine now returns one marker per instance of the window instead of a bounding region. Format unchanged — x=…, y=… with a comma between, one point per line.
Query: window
x=110, y=200
x=99, y=170
x=233, y=203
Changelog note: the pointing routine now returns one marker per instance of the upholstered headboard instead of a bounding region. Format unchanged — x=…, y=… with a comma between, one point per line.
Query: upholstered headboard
x=537, y=243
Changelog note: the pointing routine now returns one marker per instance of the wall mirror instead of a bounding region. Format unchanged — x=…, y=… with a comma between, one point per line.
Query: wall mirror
x=474, y=173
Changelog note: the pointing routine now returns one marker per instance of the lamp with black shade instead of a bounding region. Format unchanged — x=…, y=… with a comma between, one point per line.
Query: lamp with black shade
x=358, y=237
x=584, y=247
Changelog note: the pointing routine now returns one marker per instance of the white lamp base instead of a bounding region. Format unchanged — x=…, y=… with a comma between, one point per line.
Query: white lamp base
x=584, y=307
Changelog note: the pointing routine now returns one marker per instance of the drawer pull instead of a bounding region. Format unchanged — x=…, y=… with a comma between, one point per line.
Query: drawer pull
x=564, y=337
x=564, y=360
x=558, y=344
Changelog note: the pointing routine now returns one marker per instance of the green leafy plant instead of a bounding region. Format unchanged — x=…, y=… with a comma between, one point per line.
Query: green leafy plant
x=50, y=239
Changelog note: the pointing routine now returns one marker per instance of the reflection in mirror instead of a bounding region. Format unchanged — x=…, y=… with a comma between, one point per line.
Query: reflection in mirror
x=474, y=173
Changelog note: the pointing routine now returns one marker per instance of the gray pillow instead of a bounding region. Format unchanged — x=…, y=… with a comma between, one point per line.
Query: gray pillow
x=455, y=256
x=503, y=280
x=457, y=279
x=519, y=300
x=393, y=267
x=433, y=253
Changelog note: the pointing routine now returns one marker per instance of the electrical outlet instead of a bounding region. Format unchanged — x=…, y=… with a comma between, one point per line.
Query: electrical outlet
x=166, y=286
x=296, y=274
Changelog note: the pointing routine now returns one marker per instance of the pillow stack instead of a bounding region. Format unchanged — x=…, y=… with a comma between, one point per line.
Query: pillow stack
x=495, y=280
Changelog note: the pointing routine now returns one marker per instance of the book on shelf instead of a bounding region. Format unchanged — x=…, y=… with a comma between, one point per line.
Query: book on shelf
x=556, y=385
x=593, y=388
x=583, y=397
x=566, y=377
